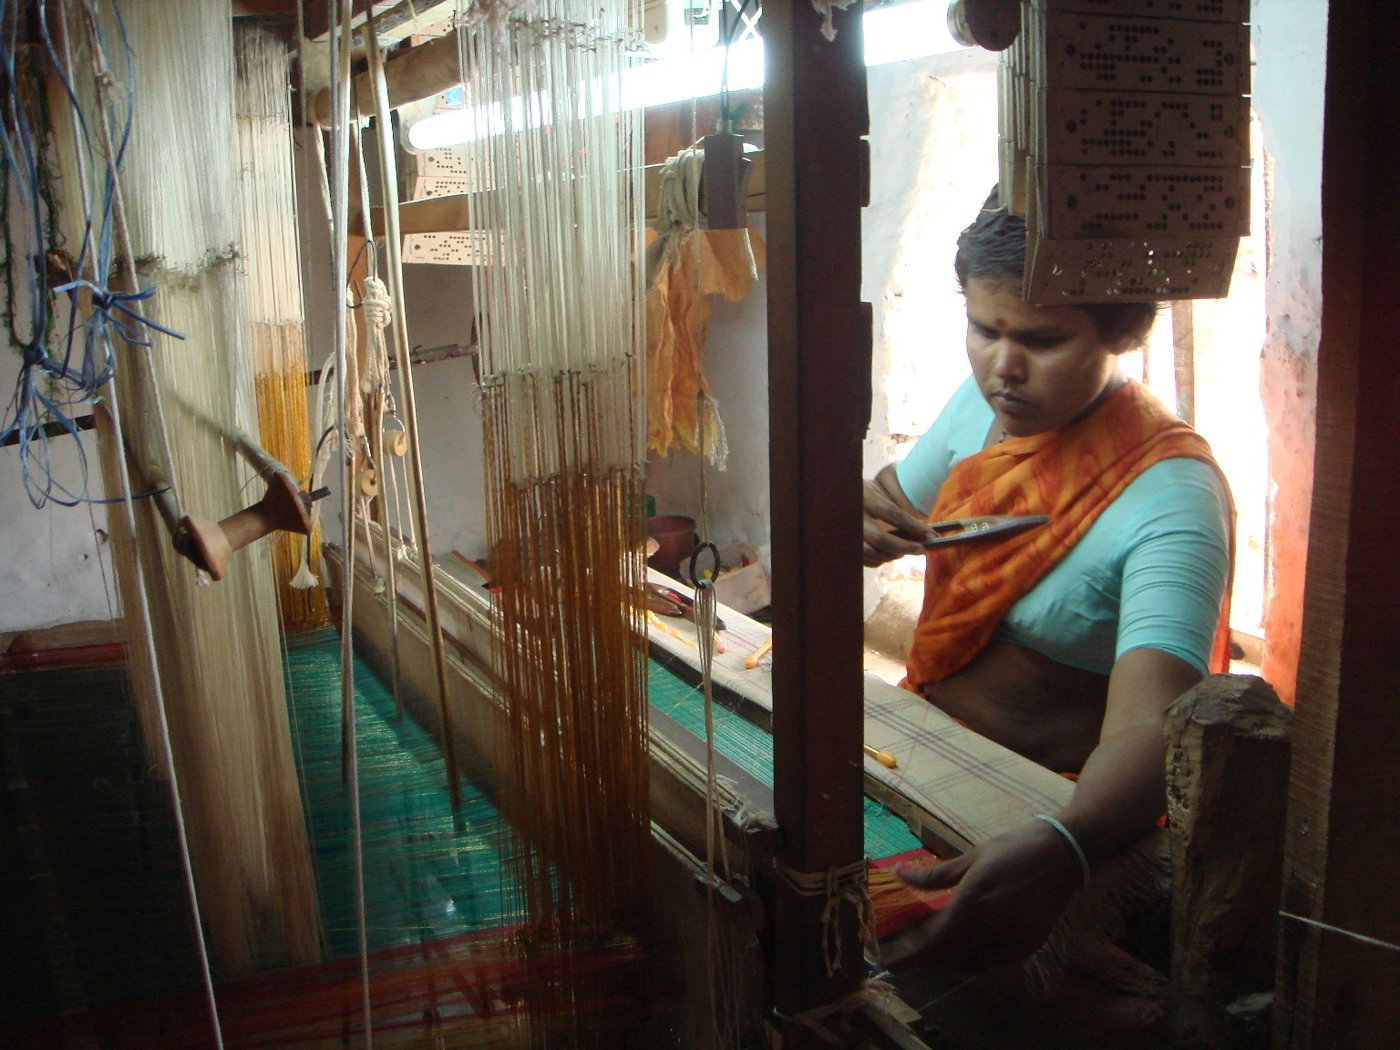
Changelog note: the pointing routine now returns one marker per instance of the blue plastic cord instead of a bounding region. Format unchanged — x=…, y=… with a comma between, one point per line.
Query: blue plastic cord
x=48, y=388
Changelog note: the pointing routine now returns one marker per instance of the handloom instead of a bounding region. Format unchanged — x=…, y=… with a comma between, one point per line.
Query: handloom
x=439, y=918
x=952, y=787
x=535, y=516
x=440, y=912
x=176, y=403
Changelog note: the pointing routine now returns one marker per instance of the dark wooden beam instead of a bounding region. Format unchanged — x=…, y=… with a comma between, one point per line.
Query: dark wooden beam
x=413, y=74
x=395, y=20
x=316, y=21
x=279, y=9
x=819, y=408
x=1343, y=834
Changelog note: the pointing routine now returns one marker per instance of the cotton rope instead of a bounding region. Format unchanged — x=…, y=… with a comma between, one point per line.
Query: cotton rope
x=378, y=312
x=375, y=388
x=706, y=620
x=715, y=843
x=103, y=80
x=678, y=191
x=846, y=883
x=678, y=211
x=407, y=548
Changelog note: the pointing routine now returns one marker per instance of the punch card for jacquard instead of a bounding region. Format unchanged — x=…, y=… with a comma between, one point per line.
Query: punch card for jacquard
x=1125, y=143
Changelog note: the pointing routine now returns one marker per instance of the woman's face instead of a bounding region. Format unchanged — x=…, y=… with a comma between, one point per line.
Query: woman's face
x=1038, y=366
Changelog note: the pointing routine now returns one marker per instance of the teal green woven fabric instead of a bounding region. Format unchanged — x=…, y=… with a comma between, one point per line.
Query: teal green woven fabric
x=428, y=873
x=751, y=749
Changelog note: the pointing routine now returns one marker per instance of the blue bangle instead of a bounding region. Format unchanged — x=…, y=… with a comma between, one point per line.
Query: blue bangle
x=1073, y=844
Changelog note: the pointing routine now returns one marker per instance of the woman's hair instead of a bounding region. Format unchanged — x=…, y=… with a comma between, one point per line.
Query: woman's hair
x=995, y=246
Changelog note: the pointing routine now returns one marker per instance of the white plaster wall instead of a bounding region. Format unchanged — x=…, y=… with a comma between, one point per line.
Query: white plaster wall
x=933, y=146
x=439, y=305
x=449, y=424
x=1289, y=79
x=54, y=558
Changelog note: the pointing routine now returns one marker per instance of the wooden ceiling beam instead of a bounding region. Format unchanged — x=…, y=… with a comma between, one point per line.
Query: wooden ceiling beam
x=418, y=73
x=279, y=9
x=396, y=20
x=317, y=19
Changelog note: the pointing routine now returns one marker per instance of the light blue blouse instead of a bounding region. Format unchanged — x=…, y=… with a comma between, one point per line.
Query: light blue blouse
x=1149, y=573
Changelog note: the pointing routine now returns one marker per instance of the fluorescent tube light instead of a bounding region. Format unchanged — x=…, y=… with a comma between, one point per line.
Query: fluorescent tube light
x=892, y=34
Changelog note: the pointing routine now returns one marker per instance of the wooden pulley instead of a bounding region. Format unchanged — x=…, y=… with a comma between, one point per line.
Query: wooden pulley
x=989, y=24
x=209, y=544
x=368, y=482
x=396, y=441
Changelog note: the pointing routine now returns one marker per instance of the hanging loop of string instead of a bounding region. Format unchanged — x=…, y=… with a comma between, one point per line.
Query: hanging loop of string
x=702, y=576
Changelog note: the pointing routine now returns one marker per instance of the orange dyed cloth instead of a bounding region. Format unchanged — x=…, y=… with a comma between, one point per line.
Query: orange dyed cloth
x=1072, y=474
x=694, y=266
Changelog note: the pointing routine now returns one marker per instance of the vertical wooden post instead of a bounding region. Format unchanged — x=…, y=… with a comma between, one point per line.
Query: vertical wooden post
x=1227, y=776
x=819, y=408
x=1343, y=835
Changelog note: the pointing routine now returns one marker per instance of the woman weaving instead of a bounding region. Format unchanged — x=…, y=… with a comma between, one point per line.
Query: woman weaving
x=1068, y=641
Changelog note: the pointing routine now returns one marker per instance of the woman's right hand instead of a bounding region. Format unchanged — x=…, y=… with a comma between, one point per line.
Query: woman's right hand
x=893, y=528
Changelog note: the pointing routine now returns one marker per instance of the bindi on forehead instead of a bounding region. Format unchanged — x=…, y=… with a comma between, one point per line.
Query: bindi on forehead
x=998, y=307
x=1032, y=331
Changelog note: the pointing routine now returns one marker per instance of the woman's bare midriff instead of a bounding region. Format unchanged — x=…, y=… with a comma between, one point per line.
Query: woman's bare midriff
x=1023, y=700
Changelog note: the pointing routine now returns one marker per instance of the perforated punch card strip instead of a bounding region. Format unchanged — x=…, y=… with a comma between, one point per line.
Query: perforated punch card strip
x=1125, y=132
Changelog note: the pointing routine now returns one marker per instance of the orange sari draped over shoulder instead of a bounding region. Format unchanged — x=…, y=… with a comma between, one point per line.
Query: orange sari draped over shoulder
x=1071, y=474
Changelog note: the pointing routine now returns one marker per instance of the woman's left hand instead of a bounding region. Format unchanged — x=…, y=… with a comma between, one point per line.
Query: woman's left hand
x=1010, y=893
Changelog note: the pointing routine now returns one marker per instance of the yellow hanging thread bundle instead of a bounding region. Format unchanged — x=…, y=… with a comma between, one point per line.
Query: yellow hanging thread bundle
x=274, y=302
